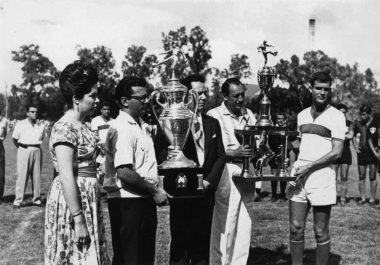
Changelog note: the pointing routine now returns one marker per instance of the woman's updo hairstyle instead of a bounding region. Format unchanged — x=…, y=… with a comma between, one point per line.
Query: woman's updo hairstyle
x=76, y=80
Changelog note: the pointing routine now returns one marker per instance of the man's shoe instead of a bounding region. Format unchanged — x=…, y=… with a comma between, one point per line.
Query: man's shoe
x=361, y=202
x=273, y=198
x=343, y=202
x=38, y=203
x=16, y=206
x=372, y=203
x=258, y=199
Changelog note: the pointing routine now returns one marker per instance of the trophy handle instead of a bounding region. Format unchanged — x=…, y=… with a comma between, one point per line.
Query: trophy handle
x=152, y=98
x=194, y=96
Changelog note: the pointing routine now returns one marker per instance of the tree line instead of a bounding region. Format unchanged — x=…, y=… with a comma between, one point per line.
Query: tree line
x=40, y=85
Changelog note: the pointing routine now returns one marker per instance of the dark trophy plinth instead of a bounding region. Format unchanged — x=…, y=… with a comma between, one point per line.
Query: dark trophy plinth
x=182, y=183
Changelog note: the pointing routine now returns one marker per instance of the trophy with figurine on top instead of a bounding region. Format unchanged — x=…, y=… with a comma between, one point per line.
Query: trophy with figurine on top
x=264, y=127
x=182, y=177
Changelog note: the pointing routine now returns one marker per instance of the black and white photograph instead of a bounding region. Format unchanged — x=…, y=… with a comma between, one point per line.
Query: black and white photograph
x=218, y=132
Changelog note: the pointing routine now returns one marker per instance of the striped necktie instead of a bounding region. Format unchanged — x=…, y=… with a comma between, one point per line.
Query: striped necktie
x=198, y=133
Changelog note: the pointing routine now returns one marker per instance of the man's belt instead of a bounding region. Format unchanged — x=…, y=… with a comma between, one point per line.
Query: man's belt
x=28, y=145
x=234, y=160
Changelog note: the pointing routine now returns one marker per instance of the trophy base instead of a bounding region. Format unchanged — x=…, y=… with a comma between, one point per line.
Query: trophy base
x=183, y=183
x=179, y=161
x=264, y=122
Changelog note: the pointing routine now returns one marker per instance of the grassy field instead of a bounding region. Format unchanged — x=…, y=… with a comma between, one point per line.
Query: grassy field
x=355, y=230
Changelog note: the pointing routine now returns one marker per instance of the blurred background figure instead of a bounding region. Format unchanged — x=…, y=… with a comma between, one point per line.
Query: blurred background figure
x=274, y=142
x=100, y=125
x=345, y=161
x=368, y=128
x=3, y=135
x=27, y=137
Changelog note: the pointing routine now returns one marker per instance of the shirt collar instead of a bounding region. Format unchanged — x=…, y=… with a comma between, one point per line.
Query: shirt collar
x=125, y=116
x=225, y=111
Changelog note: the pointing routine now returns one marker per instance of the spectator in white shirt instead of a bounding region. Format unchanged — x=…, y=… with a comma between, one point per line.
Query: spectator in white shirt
x=27, y=136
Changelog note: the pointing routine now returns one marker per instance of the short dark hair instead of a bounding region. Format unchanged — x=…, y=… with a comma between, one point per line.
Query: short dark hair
x=341, y=106
x=77, y=79
x=365, y=108
x=32, y=105
x=322, y=77
x=192, y=78
x=105, y=103
x=124, y=88
x=230, y=81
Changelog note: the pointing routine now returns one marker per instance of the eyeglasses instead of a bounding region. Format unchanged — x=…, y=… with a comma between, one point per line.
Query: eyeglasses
x=142, y=99
x=325, y=89
x=33, y=111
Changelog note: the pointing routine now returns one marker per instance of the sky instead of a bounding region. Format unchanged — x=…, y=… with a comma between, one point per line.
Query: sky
x=348, y=30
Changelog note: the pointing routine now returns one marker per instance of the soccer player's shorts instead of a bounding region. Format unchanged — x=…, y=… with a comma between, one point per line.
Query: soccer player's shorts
x=318, y=189
x=366, y=157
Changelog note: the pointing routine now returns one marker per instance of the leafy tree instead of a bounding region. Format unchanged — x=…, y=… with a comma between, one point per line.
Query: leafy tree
x=239, y=66
x=102, y=60
x=196, y=47
x=137, y=63
x=351, y=86
x=38, y=73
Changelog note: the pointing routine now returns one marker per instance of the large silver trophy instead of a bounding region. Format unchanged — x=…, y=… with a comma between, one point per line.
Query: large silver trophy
x=265, y=78
x=176, y=118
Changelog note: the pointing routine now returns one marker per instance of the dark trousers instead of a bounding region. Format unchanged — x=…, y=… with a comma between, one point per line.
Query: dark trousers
x=190, y=229
x=133, y=228
x=2, y=170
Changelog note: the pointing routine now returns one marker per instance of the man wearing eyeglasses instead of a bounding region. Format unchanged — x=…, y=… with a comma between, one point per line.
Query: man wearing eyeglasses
x=28, y=135
x=190, y=219
x=131, y=179
x=322, y=129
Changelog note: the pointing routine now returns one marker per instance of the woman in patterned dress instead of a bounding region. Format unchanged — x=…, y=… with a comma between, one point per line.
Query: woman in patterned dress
x=74, y=230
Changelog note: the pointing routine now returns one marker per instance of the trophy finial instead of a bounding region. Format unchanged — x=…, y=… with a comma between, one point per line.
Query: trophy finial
x=173, y=54
x=263, y=49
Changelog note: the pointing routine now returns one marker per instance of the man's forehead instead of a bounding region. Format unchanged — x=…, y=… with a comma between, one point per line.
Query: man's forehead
x=139, y=90
x=320, y=84
x=197, y=86
x=236, y=89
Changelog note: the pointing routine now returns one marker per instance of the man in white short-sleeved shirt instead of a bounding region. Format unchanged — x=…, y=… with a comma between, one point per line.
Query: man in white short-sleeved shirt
x=28, y=135
x=322, y=129
x=231, y=224
x=131, y=178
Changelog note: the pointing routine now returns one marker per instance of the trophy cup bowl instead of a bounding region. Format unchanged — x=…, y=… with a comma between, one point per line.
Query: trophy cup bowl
x=175, y=119
x=265, y=78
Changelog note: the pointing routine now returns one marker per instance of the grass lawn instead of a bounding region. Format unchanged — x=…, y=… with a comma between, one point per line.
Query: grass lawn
x=355, y=230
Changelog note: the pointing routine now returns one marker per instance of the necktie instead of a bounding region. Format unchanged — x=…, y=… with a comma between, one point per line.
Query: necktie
x=198, y=133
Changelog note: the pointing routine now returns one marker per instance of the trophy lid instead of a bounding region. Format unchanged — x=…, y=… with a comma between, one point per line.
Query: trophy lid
x=173, y=85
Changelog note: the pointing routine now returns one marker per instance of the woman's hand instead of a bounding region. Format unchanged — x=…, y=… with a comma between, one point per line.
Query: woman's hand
x=82, y=237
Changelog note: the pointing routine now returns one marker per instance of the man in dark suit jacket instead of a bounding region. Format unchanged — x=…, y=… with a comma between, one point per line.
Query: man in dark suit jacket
x=190, y=219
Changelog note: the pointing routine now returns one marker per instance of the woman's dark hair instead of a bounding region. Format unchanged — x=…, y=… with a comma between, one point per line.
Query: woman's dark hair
x=230, y=81
x=124, y=88
x=76, y=80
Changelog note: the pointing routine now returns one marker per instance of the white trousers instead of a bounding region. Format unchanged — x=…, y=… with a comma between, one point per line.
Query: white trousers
x=231, y=223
